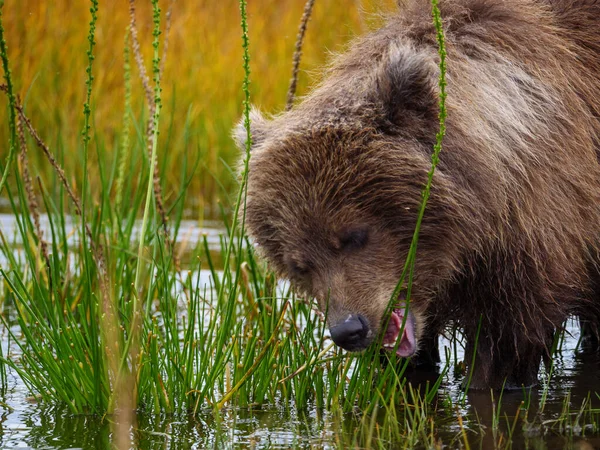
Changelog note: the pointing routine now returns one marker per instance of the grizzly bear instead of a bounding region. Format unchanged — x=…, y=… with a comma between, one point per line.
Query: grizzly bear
x=509, y=240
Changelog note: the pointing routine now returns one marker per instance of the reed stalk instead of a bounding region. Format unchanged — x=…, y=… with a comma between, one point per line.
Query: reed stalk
x=151, y=101
x=31, y=199
x=12, y=145
x=308, y=7
x=125, y=152
x=409, y=265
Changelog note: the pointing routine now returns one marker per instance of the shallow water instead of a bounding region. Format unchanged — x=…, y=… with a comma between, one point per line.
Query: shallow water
x=549, y=417
x=26, y=424
x=190, y=234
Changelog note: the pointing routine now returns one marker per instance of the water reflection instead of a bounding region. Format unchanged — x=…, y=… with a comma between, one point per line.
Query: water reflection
x=488, y=421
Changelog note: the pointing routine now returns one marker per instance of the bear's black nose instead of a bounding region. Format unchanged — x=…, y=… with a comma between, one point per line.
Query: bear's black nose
x=351, y=334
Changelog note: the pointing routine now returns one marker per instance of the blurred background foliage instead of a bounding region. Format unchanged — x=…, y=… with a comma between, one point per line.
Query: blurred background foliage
x=202, y=94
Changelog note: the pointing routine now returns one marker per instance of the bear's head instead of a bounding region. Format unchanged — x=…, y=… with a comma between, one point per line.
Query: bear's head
x=334, y=190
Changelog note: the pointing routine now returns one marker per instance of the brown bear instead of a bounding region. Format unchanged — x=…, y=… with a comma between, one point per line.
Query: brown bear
x=509, y=240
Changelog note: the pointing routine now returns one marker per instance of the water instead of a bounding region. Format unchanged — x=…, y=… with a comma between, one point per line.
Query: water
x=26, y=424
x=562, y=413
x=189, y=232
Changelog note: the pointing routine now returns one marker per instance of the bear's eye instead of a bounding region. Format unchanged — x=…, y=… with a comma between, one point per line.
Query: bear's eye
x=298, y=269
x=354, y=238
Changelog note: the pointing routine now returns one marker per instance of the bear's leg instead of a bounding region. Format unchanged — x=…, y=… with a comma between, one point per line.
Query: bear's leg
x=512, y=362
x=590, y=335
x=428, y=355
x=590, y=320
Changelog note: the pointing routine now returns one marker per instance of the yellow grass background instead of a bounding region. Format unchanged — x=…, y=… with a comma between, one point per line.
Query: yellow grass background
x=47, y=42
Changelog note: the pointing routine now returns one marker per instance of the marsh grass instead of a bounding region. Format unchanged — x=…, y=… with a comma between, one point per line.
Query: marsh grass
x=110, y=323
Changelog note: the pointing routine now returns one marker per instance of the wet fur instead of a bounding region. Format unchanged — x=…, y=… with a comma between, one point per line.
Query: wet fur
x=510, y=235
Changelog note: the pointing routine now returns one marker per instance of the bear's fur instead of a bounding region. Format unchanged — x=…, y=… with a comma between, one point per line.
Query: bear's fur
x=510, y=233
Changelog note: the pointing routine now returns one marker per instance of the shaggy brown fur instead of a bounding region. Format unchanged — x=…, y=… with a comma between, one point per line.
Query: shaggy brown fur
x=511, y=229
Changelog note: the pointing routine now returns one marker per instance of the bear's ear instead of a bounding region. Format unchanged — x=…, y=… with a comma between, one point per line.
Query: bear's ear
x=258, y=126
x=406, y=87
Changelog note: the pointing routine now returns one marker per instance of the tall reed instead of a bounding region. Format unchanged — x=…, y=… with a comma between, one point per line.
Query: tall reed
x=125, y=137
x=12, y=143
x=298, y=53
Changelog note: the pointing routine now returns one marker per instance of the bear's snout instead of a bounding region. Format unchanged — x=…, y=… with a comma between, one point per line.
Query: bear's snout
x=352, y=334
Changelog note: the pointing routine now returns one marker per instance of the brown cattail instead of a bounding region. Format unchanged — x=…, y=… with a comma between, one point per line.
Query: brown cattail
x=166, y=39
x=95, y=248
x=158, y=195
x=298, y=53
x=31, y=199
x=139, y=60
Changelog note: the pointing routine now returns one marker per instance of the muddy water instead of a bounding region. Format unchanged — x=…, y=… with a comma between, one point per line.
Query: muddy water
x=555, y=416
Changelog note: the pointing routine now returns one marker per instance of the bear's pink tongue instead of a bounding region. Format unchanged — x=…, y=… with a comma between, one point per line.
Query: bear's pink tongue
x=407, y=345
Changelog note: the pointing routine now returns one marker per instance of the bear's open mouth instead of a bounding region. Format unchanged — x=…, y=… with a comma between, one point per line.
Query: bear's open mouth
x=407, y=345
